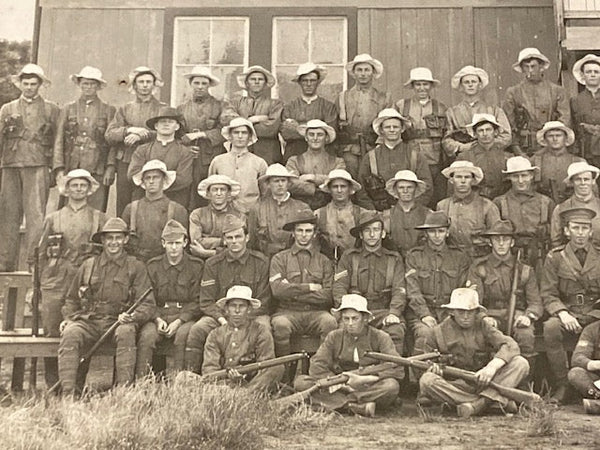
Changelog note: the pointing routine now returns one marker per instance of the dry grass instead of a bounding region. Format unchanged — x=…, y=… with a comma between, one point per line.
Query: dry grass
x=541, y=420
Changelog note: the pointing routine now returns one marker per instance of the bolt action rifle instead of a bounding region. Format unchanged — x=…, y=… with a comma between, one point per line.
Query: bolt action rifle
x=512, y=302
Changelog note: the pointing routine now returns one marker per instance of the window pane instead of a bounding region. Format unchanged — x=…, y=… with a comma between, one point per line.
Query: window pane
x=333, y=84
x=193, y=41
x=327, y=41
x=228, y=86
x=228, y=42
x=180, y=86
x=287, y=90
x=292, y=41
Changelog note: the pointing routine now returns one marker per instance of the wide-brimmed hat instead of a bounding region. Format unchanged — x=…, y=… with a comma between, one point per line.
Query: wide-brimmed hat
x=577, y=215
x=276, y=170
x=482, y=118
x=385, y=114
x=528, y=53
x=464, y=298
x=239, y=122
x=241, y=78
x=112, y=225
x=434, y=219
x=173, y=230
x=500, y=228
x=166, y=112
x=464, y=166
x=368, y=59
x=421, y=74
x=517, y=164
x=470, y=70
x=78, y=173
x=340, y=174
x=141, y=70
x=405, y=175
x=239, y=293
x=89, y=73
x=578, y=66
x=365, y=218
x=232, y=223
x=234, y=187
x=316, y=123
x=580, y=167
x=155, y=164
x=555, y=125
x=202, y=71
x=30, y=69
x=306, y=68
x=353, y=301
x=305, y=215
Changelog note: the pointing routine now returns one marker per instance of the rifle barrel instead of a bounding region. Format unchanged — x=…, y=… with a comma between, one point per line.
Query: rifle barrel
x=260, y=365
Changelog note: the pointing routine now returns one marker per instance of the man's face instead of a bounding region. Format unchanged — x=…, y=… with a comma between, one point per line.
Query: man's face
x=237, y=311
x=532, y=69
x=583, y=184
x=153, y=181
x=174, y=247
x=309, y=84
x=465, y=319
x=521, y=181
x=30, y=86
x=462, y=181
x=144, y=84
x=363, y=73
x=166, y=126
x=372, y=235
x=354, y=322
x=279, y=185
x=579, y=234
x=591, y=74
x=405, y=190
x=200, y=86
x=78, y=189
x=556, y=139
x=256, y=82
x=236, y=241
x=88, y=87
x=304, y=234
x=501, y=245
x=240, y=137
x=341, y=190
x=316, y=138
x=486, y=133
x=437, y=236
x=218, y=194
x=391, y=129
x=470, y=84
x=422, y=89
x=113, y=243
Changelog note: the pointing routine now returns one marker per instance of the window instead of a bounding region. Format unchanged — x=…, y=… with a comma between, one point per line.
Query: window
x=321, y=40
x=220, y=43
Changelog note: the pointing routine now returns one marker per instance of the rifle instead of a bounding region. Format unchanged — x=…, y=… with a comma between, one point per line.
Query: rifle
x=106, y=334
x=515, y=394
x=512, y=302
x=35, y=309
x=342, y=378
x=253, y=367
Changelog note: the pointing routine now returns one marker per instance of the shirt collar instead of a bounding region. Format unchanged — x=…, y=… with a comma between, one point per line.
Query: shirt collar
x=104, y=260
x=73, y=208
x=378, y=252
x=466, y=200
x=179, y=266
x=242, y=259
x=285, y=198
x=309, y=100
x=518, y=195
x=165, y=143
x=88, y=101
x=147, y=100
x=296, y=249
x=497, y=262
x=30, y=100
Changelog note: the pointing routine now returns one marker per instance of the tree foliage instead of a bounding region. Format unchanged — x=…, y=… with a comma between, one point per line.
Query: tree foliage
x=13, y=56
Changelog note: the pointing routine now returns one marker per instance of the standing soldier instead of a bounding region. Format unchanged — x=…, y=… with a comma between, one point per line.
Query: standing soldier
x=427, y=127
x=128, y=128
x=534, y=101
x=259, y=108
x=585, y=108
x=358, y=107
x=27, y=133
x=80, y=142
x=203, y=121
x=304, y=108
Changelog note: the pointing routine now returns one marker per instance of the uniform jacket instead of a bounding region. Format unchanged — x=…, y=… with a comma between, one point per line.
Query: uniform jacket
x=492, y=162
x=318, y=163
x=588, y=346
x=529, y=212
x=553, y=170
x=335, y=223
x=206, y=224
x=401, y=226
x=585, y=108
x=557, y=236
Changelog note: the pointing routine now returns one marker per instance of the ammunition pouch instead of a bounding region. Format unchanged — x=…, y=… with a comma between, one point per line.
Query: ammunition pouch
x=55, y=246
x=45, y=136
x=375, y=188
x=480, y=359
x=247, y=359
x=14, y=127
x=461, y=136
x=71, y=130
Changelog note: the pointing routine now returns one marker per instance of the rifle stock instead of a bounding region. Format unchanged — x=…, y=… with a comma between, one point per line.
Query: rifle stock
x=512, y=302
x=35, y=311
x=252, y=367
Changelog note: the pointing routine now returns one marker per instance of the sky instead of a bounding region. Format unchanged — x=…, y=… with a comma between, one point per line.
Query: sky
x=16, y=19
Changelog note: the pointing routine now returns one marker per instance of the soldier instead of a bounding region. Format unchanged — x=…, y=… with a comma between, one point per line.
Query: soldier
x=404, y=216
x=27, y=131
x=433, y=270
x=304, y=108
x=553, y=159
x=488, y=154
x=64, y=245
x=469, y=213
x=103, y=286
x=471, y=81
x=175, y=278
x=202, y=119
x=339, y=353
x=358, y=108
x=312, y=166
x=259, y=108
x=534, y=101
x=80, y=142
x=570, y=285
x=148, y=216
x=128, y=129
x=377, y=274
x=241, y=341
x=338, y=217
x=474, y=345
x=166, y=148
x=239, y=164
x=272, y=212
x=427, y=127
x=301, y=280
x=237, y=265
x=206, y=223
x=390, y=156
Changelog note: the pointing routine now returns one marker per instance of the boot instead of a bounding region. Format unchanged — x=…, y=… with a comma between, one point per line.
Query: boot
x=591, y=406
x=469, y=409
x=561, y=394
x=51, y=371
x=68, y=363
x=125, y=365
x=363, y=409
x=193, y=359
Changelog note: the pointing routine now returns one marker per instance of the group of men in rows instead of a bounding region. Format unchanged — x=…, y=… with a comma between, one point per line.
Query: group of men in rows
x=339, y=219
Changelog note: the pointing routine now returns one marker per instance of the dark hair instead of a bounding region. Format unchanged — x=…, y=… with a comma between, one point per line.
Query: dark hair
x=589, y=62
x=146, y=72
x=316, y=72
x=27, y=76
x=483, y=122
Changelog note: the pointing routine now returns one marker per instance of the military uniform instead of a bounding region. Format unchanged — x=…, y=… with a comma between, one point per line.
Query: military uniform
x=557, y=236
x=585, y=109
x=492, y=161
x=206, y=225
x=401, y=224
x=553, y=170
x=586, y=350
x=334, y=224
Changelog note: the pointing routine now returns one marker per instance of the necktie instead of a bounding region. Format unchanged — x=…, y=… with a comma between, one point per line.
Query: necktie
x=581, y=255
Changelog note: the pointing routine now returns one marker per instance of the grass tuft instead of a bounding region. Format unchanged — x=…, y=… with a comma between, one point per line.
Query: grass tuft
x=541, y=420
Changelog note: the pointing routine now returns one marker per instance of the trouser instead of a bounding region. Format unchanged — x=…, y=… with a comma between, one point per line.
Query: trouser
x=80, y=335
x=396, y=330
x=459, y=391
x=124, y=187
x=293, y=147
x=23, y=191
x=525, y=336
x=583, y=381
x=267, y=379
x=421, y=332
x=98, y=200
x=52, y=301
x=286, y=323
x=555, y=339
x=267, y=149
x=382, y=392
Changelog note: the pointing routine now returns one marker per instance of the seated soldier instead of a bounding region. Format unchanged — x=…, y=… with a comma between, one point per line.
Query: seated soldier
x=377, y=274
x=343, y=351
x=272, y=212
x=102, y=288
x=301, y=279
x=404, y=216
x=236, y=265
x=175, y=278
x=241, y=341
x=206, y=222
x=433, y=270
x=312, y=166
x=474, y=345
x=148, y=216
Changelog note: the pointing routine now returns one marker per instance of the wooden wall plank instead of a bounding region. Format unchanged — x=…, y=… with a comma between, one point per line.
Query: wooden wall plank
x=582, y=38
